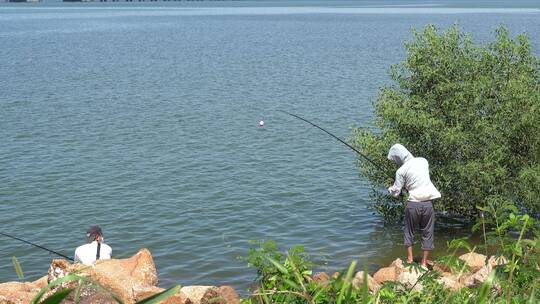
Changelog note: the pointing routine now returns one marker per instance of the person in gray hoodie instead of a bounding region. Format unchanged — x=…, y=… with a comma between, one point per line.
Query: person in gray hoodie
x=413, y=175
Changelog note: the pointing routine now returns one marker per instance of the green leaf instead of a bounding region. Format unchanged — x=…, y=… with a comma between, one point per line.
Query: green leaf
x=17, y=267
x=291, y=283
x=346, y=283
x=280, y=267
x=532, y=298
x=483, y=294
x=58, y=296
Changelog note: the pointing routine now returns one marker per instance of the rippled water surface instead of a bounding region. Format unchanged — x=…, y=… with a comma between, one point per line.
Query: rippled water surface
x=143, y=118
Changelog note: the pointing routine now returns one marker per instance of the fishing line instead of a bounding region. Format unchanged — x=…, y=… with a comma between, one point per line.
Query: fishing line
x=339, y=139
x=36, y=245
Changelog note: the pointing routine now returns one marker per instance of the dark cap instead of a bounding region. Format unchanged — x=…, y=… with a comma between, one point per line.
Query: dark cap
x=92, y=232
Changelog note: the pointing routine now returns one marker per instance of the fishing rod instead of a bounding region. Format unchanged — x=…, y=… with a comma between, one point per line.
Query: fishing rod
x=36, y=245
x=339, y=139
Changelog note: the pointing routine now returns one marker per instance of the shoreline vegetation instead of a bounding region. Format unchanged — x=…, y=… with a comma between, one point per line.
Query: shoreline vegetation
x=510, y=275
x=476, y=111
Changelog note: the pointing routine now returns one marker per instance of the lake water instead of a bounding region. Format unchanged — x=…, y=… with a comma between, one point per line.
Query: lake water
x=143, y=118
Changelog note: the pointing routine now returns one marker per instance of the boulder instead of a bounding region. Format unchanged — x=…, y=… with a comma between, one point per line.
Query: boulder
x=17, y=292
x=358, y=281
x=409, y=278
x=203, y=294
x=476, y=279
x=494, y=261
x=467, y=280
x=229, y=294
x=450, y=281
x=41, y=282
x=124, y=277
x=59, y=268
x=441, y=267
x=90, y=295
x=386, y=274
x=482, y=274
x=474, y=260
x=321, y=279
x=178, y=298
x=399, y=265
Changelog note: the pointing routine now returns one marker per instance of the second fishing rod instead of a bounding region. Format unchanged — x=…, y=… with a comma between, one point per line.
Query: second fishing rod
x=36, y=245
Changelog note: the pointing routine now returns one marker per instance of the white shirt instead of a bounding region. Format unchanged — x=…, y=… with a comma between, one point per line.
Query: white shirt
x=86, y=254
x=413, y=175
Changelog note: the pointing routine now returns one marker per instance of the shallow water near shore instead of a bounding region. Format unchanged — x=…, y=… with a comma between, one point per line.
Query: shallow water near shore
x=143, y=118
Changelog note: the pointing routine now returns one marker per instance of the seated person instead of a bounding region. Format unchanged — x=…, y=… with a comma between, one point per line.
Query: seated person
x=94, y=249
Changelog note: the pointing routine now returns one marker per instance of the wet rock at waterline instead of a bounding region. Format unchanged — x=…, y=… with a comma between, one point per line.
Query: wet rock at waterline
x=229, y=294
x=358, y=281
x=322, y=279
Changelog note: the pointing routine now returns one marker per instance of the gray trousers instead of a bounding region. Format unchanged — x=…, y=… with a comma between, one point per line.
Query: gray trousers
x=420, y=215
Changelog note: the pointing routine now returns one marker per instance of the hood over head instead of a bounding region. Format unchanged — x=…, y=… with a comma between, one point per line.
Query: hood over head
x=399, y=154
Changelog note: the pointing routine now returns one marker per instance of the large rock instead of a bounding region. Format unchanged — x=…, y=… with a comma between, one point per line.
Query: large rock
x=41, y=282
x=17, y=292
x=229, y=294
x=322, y=279
x=450, y=281
x=358, y=281
x=399, y=265
x=474, y=260
x=203, y=294
x=178, y=298
x=124, y=277
x=386, y=274
x=409, y=278
x=476, y=279
x=391, y=272
x=441, y=267
x=494, y=261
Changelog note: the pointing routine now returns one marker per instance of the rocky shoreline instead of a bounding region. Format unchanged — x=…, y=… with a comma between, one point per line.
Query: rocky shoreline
x=135, y=278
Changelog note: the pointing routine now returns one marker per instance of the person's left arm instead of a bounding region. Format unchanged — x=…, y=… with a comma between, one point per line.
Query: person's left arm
x=399, y=183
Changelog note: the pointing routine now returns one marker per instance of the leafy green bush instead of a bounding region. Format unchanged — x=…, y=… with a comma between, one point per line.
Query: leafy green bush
x=517, y=237
x=471, y=110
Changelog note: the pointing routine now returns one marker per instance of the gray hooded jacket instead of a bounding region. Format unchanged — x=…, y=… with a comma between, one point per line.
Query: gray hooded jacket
x=413, y=175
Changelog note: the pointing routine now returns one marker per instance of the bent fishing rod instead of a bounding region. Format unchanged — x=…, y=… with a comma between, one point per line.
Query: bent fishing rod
x=339, y=139
x=36, y=245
